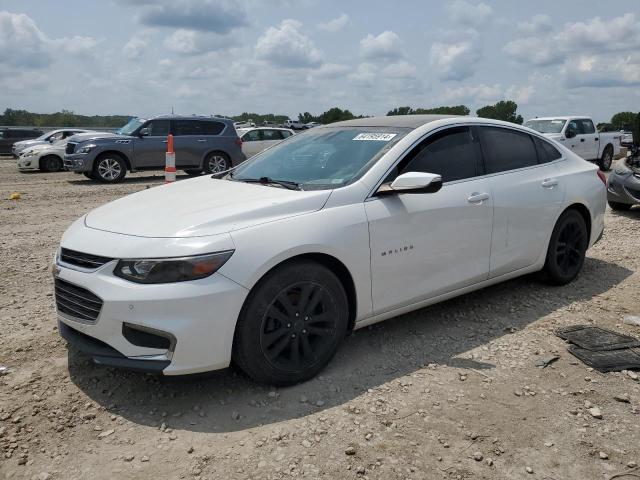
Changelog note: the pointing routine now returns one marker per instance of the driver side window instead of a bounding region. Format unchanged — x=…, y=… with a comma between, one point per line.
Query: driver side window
x=452, y=153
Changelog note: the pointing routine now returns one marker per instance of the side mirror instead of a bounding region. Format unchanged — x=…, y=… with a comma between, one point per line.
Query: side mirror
x=413, y=182
x=144, y=132
x=570, y=133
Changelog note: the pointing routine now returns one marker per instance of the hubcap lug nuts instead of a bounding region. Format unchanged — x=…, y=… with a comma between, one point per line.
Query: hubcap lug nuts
x=293, y=335
x=297, y=314
x=288, y=325
x=304, y=331
x=306, y=318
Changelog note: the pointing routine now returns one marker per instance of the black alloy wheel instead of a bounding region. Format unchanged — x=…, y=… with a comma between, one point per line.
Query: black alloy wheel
x=567, y=248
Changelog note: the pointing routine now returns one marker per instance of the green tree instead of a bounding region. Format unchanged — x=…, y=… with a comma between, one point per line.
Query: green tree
x=623, y=120
x=306, y=117
x=454, y=110
x=503, y=110
x=335, y=114
x=400, y=111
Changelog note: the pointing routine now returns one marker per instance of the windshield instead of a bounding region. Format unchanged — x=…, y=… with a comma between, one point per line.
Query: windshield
x=546, y=126
x=321, y=158
x=131, y=126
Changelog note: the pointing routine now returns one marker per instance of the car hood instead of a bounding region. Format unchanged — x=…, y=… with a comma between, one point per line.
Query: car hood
x=29, y=143
x=45, y=147
x=202, y=207
x=83, y=137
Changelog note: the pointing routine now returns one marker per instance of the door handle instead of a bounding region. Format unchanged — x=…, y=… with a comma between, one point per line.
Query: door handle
x=596, y=139
x=477, y=197
x=164, y=141
x=582, y=139
x=201, y=140
x=549, y=183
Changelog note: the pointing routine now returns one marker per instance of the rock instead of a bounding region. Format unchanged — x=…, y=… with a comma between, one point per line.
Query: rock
x=144, y=458
x=190, y=449
x=361, y=471
x=632, y=464
x=603, y=455
x=303, y=399
x=632, y=320
x=15, y=196
x=631, y=375
x=106, y=433
x=3, y=370
x=624, y=398
x=306, y=443
x=489, y=461
x=595, y=412
x=129, y=458
x=320, y=403
x=235, y=415
x=529, y=469
x=548, y=444
x=477, y=456
x=546, y=361
x=350, y=450
x=44, y=476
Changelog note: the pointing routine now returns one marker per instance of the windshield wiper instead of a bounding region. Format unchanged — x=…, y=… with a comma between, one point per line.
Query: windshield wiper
x=271, y=181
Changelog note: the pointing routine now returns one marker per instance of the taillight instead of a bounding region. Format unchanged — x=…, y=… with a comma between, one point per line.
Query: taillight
x=238, y=141
x=602, y=176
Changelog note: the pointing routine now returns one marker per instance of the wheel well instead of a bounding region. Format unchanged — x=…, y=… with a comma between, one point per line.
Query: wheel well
x=119, y=154
x=608, y=147
x=586, y=215
x=340, y=270
x=47, y=156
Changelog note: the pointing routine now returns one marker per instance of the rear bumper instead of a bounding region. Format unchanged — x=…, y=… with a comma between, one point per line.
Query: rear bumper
x=623, y=189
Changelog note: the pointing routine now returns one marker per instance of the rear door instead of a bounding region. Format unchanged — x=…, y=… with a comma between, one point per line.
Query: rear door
x=192, y=140
x=589, y=140
x=149, y=151
x=527, y=195
x=252, y=142
x=271, y=136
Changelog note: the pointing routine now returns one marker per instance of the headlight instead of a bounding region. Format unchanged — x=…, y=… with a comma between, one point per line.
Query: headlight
x=86, y=148
x=28, y=154
x=169, y=270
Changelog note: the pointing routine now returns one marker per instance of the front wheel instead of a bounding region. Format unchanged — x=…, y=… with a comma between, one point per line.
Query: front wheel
x=606, y=160
x=567, y=248
x=51, y=163
x=109, y=168
x=291, y=324
x=217, y=162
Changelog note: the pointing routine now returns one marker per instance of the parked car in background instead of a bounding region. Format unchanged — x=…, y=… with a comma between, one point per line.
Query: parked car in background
x=202, y=144
x=580, y=136
x=255, y=140
x=47, y=157
x=627, y=138
x=46, y=138
x=312, y=124
x=9, y=136
x=338, y=228
x=623, y=184
x=294, y=125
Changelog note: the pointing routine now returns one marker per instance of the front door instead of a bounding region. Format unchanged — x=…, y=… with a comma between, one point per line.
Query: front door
x=149, y=150
x=423, y=245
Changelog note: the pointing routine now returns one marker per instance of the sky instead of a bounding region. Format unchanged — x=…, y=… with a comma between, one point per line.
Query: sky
x=144, y=57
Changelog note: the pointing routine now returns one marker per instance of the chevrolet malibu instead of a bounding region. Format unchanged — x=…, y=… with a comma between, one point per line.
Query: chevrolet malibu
x=271, y=264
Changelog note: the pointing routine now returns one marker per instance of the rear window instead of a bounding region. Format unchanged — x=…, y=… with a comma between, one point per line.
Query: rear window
x=197, y=127
x=546, y=151
x=505, y=149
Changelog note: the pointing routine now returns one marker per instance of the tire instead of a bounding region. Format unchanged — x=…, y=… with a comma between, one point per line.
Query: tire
x=606, y=160
x=299, y=307
x=567, y=248
x=216, y=162
x=89, y=175
x=193, y=172
x=619, y=206
x=51, y=163
x=109, y=168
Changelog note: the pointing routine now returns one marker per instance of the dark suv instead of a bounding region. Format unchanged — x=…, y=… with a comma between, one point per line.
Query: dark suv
x=202, y=144
x=9, y=136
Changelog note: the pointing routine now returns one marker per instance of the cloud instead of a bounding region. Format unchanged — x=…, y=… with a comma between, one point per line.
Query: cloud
x=384, y=46
x=331, y=70
x=467, y=13
x=336, y=24
x=220, y=16
x=537, y=24
x=538, y=51
x=135, y=47
x=603, y=71
x=476, y=94
x=455, y=61
x=285, y=46
x=22, y=43
x=521, y=95
x=195, y=42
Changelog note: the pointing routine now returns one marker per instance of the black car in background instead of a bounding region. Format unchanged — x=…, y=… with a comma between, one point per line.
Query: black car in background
x=9, y=136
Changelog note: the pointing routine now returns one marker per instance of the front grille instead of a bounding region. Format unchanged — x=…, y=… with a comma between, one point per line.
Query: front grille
x=76, y=301
x=85, y=260
x=71, y=147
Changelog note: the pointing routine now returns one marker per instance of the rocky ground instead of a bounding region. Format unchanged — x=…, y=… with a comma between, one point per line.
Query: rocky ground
x=448, y=392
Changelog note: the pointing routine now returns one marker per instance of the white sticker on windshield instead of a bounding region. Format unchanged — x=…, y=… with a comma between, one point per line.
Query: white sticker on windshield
x=376, y=137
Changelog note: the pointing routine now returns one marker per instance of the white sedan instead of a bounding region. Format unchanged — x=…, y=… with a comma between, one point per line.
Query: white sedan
x=341, y=227
x=255, y=140
x=47, y=157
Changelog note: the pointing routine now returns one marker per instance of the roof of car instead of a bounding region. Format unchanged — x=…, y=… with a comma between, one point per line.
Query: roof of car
x=562, y=117
x=170, y=116
x=407, y=121
x=263, y=128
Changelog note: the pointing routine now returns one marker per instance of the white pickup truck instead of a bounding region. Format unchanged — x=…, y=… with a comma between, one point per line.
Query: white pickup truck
x=580, y=135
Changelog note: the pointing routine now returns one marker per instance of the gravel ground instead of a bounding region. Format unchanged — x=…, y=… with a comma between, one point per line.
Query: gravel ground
x=450, y=391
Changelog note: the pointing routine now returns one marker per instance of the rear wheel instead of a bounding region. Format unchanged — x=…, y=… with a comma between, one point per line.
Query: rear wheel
x=619, y=206
x=291, y=324
x=51, y=163
x=109, y=168
x=606, y=160
x=567, y=248
x=217, y=162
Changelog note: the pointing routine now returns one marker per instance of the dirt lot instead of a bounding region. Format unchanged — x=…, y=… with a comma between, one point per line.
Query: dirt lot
x=450, y=391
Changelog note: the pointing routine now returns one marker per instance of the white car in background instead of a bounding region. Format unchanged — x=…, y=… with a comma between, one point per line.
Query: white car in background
x=255, y=140
x=48, y=157
x=46, y=139
x=333, y=230
x=579, y=134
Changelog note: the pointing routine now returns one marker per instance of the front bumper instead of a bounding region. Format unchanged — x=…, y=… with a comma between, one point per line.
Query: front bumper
x=199, y=315
x=624, y=188
x=26, y=164
x=77, y=162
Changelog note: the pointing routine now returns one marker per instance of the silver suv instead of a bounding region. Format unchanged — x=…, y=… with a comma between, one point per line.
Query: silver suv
x=202, y=144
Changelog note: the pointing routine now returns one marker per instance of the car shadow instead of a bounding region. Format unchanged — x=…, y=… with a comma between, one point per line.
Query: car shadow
x=227, y=401
x=82, y=180
x=633, y=212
